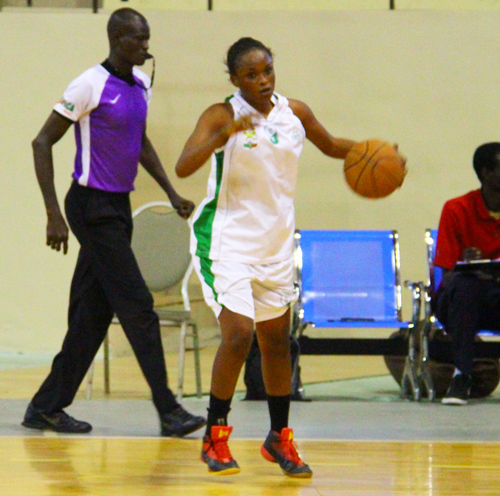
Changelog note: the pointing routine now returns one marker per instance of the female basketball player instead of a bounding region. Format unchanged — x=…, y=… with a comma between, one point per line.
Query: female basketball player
x=242, y=240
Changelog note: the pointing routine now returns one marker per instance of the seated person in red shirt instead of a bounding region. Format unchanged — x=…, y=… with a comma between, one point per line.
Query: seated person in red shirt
x=468, y=301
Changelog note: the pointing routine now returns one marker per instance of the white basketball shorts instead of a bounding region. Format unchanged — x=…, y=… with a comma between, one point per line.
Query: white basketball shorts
x=260, y=292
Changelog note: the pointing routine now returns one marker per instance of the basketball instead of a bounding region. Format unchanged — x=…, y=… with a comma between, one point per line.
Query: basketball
x=374, y=169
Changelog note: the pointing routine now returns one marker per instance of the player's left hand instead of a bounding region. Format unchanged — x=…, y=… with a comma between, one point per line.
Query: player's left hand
x=472, y=253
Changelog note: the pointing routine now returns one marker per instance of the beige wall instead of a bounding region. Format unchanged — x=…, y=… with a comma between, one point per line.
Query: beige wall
x=233, y=5
x=427, y=80
x=186, y=5
x=239, y=5
x=448, y=4
x=52, y=4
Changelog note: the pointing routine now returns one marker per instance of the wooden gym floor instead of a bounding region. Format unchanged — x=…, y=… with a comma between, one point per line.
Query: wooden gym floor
x=354, y=446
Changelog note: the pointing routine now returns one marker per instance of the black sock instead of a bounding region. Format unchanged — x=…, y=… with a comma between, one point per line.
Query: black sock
x=279, y=407
x=218, y=411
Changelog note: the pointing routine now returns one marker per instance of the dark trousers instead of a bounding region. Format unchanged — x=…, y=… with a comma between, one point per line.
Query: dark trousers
x=106, y=280
x=465, y=306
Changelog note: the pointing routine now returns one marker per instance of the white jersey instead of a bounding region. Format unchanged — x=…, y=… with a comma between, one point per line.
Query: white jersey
x=248, y=215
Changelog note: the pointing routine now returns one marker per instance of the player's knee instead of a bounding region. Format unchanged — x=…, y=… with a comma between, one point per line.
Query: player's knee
x=239, y=342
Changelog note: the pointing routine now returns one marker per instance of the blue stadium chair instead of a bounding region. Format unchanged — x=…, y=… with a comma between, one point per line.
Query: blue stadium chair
x=441, y=349
x=351, y=279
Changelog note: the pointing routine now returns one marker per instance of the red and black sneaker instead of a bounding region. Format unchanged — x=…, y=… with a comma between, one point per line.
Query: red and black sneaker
x=215, y=452
x=280, y=448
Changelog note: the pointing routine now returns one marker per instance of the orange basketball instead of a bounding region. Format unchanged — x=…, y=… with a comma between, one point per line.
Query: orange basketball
x=374, y=169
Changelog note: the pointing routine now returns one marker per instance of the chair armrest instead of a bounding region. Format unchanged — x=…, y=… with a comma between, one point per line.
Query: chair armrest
x=417, y=288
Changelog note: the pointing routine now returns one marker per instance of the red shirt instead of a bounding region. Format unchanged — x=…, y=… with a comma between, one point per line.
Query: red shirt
x=465, y=221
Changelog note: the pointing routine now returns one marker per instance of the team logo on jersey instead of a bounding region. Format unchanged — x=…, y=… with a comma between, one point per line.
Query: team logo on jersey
x=272, y=135
x=67, y=105
x=250, y=138
x=296, y=136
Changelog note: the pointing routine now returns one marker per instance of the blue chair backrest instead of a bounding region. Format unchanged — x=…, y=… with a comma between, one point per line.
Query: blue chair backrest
x=350, y=278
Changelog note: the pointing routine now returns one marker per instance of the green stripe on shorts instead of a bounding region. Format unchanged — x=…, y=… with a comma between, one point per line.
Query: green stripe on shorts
x=208, y=276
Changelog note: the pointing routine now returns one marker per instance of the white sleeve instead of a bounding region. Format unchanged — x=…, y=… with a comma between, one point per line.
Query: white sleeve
x=81, y=96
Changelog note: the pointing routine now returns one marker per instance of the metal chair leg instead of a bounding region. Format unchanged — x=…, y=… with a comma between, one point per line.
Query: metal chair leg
x=90, y=375
x=197, y=366
x=425, y=377
x=424, y=374
x=410, y=383
x=410, y=387
x=107, y=388
x=182, y=350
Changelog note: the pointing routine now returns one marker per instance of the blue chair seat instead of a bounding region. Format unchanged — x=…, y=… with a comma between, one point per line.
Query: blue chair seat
x=350, y=323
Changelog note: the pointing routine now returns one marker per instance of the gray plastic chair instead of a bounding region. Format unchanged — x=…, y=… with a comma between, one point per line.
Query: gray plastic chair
x=161, y=245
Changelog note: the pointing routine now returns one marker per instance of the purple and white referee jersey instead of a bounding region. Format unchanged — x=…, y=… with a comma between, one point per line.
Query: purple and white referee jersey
x=110, y=120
